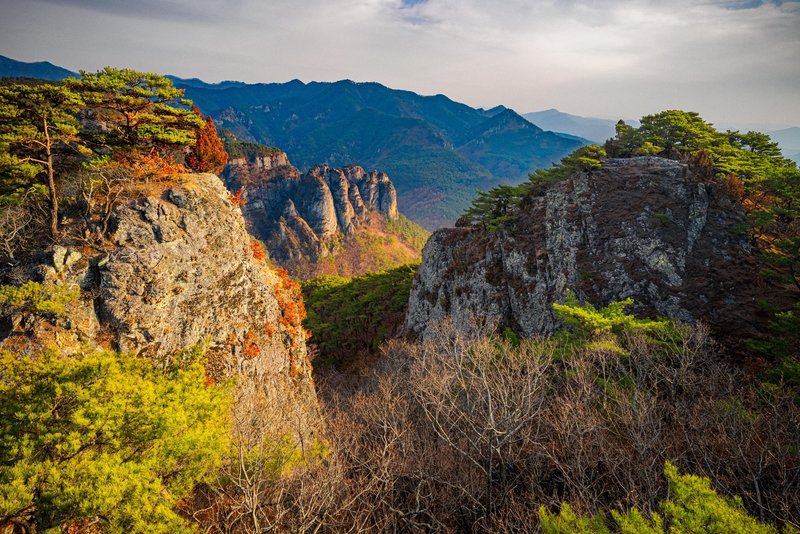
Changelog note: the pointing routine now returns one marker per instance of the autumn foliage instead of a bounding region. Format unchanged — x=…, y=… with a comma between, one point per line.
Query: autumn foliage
x=250, y=347
x=293, y=312
x=238, y=198
x=153, y=166
x=208, y=154
x=258, y=250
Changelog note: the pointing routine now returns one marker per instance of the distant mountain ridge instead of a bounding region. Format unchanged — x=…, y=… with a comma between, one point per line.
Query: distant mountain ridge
x=40, y=69
x=438, y=151
x=594, y=129
x=789, y=141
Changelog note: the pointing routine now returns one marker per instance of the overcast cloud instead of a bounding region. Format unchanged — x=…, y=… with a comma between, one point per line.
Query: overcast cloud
x=734, y=61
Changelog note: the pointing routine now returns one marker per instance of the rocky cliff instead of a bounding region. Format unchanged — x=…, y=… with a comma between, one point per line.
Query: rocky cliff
x=646, y=228
x=304, y=218
x=178, y=270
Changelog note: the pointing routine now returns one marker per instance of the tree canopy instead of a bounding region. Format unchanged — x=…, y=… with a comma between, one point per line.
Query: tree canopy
x=134, y=111
x=105, y=439
x=38, y=137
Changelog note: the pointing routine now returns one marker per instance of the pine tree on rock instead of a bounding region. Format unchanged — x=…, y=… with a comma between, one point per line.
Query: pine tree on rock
x=134, y=113
x=38, y=134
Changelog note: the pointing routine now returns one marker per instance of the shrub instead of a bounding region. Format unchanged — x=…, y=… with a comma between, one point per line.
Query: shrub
x=692, y=506
x=258, y=250
x=238, y=198
x=104, y=439
x=33, y=297
x=601, y=329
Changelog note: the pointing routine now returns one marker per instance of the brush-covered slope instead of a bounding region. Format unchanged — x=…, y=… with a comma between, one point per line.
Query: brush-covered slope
x=326, y=221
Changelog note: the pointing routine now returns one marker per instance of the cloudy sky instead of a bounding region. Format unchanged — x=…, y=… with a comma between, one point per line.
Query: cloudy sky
x=737, y=62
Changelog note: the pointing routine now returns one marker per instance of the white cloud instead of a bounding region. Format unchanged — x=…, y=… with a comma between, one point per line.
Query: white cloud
x=733, y=61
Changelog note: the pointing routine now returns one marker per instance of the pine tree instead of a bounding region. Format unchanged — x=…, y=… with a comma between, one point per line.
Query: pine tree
x=38, y=135
x=107, y=440
x=134, y=113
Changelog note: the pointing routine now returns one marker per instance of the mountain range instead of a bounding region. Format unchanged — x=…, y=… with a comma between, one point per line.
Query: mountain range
x=40, y=69
x=591, y=128
x=789, y=141
x=438, y=151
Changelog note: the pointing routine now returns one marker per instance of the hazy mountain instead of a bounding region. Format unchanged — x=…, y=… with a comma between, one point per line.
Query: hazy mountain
x=591, y=128
x=40, y=69
x=789, y=141
x=437, y=151
x=198, y=83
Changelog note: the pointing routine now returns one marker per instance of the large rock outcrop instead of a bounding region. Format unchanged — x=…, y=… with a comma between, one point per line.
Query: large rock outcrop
x=303, y=217
x=179, y=270
x=646, y=228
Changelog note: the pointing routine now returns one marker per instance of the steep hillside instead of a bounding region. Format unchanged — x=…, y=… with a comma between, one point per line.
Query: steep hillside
x=437, y=151
x=326, y=221
x=178, y=271
x=510, y=146
x=647, y=228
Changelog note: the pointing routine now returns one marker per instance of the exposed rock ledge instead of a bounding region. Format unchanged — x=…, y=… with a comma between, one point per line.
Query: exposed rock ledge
x=181, y=271
x=303, y=215
x=646, y=228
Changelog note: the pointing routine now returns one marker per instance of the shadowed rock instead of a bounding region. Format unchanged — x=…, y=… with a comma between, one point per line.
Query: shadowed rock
x=646, y=228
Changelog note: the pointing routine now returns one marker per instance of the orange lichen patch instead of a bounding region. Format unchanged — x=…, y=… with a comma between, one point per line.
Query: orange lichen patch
x=238, y=198
x=269, y=329
x=250, y=347
x=231, y=339
x=258, y=250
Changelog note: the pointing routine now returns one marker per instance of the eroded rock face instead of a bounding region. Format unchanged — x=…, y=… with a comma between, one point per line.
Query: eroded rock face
x=283, y=205
x=376, y=190
x=180, y=271
x=645, y=228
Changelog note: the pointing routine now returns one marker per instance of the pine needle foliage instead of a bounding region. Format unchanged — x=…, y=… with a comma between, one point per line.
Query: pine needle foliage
x=692, y=506
x=105, y=439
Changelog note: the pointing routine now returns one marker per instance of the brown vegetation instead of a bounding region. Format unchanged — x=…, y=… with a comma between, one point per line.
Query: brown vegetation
x=466, y=433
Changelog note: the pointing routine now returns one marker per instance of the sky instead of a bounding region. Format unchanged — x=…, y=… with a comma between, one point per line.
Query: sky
x=736, y=62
